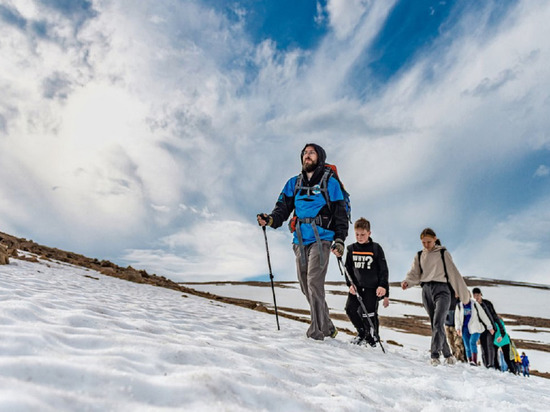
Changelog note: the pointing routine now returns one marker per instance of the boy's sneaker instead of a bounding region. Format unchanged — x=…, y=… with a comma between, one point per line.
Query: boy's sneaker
x=451, y=360
x=358, y=340
x=370, y=340
x=435, y=362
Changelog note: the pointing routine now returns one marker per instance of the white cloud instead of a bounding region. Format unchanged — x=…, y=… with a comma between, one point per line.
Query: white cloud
x=514, y=248
x=542, y=171
x=218, y=249
x=146, y=123
x=345, y=15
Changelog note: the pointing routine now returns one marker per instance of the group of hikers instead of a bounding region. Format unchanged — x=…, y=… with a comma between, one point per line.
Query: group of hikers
x=478, y=321
x=321, y=216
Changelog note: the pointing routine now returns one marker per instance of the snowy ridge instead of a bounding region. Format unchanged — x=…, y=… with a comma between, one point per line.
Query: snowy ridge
x=73, y=339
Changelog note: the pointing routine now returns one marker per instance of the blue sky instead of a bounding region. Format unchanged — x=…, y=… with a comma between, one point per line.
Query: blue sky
x=151, y=133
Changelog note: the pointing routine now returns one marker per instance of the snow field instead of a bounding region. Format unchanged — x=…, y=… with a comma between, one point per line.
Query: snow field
x=73, y=339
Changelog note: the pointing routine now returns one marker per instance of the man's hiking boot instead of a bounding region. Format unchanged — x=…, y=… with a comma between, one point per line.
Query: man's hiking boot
x=435, y=362
x=358, y=340
x=451, y=360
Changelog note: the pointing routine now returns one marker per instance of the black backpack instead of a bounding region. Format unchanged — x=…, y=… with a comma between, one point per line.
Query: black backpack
x=453, y=303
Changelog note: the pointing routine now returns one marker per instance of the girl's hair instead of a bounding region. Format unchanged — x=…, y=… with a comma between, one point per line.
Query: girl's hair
x=362, y=223
x=430, y=232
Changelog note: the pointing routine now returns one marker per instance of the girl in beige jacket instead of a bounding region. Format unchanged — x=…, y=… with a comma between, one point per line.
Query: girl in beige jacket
x=434, y=270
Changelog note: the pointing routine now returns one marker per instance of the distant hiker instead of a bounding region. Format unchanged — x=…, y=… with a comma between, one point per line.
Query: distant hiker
x=434, y=270
x=515, y=357
x=455, y=341
x=524, y=364
x=489, y=351
x=319, y=226
x=502, y=340
x=367, y=266
x=470, y=321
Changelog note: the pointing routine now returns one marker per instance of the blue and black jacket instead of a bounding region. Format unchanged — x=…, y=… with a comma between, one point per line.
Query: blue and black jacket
x=309, y=202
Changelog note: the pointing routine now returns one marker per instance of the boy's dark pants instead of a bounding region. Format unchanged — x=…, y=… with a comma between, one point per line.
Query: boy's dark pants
x=370, y=300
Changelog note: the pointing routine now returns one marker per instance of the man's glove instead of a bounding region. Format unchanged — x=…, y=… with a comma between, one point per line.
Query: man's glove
x=338, y=246
x=264, y=218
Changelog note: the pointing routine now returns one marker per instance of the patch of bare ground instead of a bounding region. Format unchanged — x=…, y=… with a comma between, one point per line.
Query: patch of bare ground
x=526, y=321
x=45, y=254
x=337, y=292
x=470, y=281
x=541, y=374
x=281, y=285
x=480, y=282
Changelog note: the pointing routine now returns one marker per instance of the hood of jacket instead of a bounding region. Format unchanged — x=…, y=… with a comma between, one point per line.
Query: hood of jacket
x=320, y=169
x=436, y=248
x=321, y=154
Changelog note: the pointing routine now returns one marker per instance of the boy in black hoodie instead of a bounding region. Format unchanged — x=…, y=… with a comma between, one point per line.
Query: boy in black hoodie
x=366, y=265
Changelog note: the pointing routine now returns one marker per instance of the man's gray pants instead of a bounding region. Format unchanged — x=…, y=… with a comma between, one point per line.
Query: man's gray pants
x=312, y=281
x=436, y=297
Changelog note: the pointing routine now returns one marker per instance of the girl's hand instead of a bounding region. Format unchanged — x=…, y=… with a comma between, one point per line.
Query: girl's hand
x=386, y=302
x=499, y=339
x=352, y=290
x=404, y=285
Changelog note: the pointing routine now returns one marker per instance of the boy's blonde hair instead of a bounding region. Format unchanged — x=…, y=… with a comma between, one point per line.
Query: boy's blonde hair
x=362, y=223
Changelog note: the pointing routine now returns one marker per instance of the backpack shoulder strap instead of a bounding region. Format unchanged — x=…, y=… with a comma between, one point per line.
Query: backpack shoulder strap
x=324, y=182
x=299, y=179
x=323, y=185
x=479, y=317
x=442, y=251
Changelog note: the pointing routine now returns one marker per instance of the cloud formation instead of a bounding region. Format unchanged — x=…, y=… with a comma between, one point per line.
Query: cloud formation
x=152, y=134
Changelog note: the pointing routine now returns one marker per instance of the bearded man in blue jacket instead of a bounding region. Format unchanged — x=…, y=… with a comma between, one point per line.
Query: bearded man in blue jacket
x=320, y=226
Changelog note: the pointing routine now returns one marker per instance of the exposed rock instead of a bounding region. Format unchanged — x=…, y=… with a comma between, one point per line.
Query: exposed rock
x=108, y=271
x=132, y=275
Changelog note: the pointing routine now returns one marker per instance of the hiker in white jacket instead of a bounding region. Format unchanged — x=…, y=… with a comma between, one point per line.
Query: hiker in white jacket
x=470, y=322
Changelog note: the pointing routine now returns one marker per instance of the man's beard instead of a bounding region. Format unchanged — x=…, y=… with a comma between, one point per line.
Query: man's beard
x=309, y=167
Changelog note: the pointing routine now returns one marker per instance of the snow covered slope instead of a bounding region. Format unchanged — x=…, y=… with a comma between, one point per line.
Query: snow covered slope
x=75, y=340
x=523, y=309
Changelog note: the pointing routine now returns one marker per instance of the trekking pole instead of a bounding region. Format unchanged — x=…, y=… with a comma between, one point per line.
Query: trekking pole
x=271, y=277
x=345, y=273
